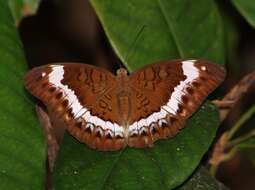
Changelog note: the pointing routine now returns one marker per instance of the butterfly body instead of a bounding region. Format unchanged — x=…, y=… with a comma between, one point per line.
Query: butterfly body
x=109, y=112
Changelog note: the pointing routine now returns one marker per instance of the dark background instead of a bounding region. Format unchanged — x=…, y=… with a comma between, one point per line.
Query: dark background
x=69, y=31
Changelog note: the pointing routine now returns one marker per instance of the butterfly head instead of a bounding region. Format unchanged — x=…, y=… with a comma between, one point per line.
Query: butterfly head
x=122, y=72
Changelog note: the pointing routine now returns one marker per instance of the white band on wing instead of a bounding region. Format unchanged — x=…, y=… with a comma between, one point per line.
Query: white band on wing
x=55, y=77
x=172, y=106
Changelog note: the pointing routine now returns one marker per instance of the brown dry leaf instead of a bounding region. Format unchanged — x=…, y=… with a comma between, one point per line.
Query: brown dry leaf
x=26, y=10
x=52, y=144
x=218, y=154
x=234, y=95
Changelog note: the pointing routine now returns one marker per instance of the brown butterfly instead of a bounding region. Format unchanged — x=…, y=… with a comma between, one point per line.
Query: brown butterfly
x=109, y=112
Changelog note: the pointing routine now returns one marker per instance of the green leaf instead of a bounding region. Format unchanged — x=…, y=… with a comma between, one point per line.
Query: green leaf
x=202, y=180
x=249, y=143
x=164, y=166
x=22, y=150
x=246, y=9
x=21, y=8
x=173, y=29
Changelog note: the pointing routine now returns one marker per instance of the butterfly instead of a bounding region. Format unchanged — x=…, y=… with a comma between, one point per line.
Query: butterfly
x=109, y=112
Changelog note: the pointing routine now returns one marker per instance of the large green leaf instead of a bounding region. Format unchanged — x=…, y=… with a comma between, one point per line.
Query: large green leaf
x=202, y=180
x=164, y=166
x=21, y=8
x=22, y=150
x=246, y=9
x=173, y=29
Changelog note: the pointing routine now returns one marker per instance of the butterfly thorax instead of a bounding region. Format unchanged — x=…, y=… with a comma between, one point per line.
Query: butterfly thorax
x=123, y=96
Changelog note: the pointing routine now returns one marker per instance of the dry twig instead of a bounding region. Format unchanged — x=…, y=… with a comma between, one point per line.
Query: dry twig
x=235, y=94
x=52, y=144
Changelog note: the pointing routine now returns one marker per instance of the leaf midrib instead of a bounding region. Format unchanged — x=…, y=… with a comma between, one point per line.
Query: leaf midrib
x=107, y=175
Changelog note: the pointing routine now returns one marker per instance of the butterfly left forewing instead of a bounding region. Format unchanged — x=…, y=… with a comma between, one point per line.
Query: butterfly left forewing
x=83, y=97
x=56, y=82
x=167, y=93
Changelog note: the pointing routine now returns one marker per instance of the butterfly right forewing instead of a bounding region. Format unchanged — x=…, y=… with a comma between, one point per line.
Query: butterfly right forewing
x=166, y=94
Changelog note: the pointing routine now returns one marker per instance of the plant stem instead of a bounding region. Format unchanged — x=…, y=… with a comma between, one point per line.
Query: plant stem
x=225, y=157
x=213, y=169
x=241, y=121
x=241, y=139
x=231, y=143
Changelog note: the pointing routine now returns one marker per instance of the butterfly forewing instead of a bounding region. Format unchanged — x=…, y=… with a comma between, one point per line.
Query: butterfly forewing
x=84, y=97
x=108, y=112
x=166, y=94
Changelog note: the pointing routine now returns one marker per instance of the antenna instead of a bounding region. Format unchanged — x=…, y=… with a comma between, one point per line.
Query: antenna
x=133, y=43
